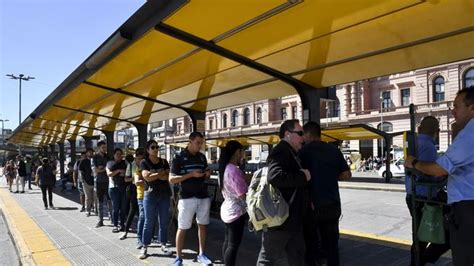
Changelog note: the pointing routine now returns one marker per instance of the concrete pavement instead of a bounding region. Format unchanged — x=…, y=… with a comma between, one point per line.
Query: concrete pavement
x=75, y=239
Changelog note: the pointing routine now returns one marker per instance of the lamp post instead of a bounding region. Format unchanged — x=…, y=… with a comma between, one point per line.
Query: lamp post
x=381, y=124
x=20, y=78
x=3, y=131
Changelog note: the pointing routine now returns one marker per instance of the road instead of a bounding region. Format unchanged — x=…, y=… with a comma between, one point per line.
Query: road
x=381, y=213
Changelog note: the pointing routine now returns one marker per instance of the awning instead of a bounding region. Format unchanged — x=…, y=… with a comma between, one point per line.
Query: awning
x=175, y=57
x=332, y=134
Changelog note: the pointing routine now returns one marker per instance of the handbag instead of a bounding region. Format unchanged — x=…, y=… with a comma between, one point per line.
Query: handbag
x=431, y=227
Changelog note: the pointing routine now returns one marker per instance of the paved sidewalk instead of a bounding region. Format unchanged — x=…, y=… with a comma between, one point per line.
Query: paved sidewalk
x=75, y=237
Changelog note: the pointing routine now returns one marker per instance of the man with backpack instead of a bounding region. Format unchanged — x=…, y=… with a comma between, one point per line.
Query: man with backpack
x=284, y=245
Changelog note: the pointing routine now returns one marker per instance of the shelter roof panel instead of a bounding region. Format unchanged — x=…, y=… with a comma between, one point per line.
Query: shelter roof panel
x=385, y=30
x=246, y=95
x=418, y=56
x=158, y=114
x=209, y=19
x=82, y=96
x=191, y=69
x=152, y=52
x=306, y=21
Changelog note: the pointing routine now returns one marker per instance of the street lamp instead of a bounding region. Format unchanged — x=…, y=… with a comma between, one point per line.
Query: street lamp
x=381, y=124
x=3, y=133
x=20, y=78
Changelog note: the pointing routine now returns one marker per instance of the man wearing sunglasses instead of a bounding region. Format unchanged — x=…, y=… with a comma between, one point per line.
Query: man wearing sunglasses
x=284, y=245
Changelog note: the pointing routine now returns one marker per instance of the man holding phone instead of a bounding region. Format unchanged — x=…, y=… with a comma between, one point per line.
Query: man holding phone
x=190, y=170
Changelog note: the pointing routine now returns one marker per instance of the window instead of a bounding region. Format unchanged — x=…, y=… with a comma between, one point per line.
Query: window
x=386, y=101
x=224, y=120
x=259, y=115
x=333, y=108
x=246, y=116
x=405, y=97
x=469, y=78
x=211, y=123
x=294, y=110
x=283, y=115
x=235, y=118
x=438, y=89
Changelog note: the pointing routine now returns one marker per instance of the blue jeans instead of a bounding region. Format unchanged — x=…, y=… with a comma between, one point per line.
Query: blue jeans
x=155, y=208
x=119, y=202
x=141, y=220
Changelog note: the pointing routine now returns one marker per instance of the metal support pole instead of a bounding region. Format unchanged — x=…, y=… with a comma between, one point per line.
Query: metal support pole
x=72, y=145
x=142, y=134
x=388, y=173
x=415, y=218
x=199, y=121
x=109, y=135
x=62, y=158
x=310, y=99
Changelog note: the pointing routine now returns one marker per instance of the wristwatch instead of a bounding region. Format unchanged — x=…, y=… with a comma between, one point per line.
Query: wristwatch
x=414, y=163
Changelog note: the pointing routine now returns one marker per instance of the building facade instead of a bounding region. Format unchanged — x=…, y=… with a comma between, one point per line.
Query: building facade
x=381, y=102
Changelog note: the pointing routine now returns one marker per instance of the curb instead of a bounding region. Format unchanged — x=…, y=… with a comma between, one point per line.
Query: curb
x=389, y=189
x=33, y=246
x=377, y=239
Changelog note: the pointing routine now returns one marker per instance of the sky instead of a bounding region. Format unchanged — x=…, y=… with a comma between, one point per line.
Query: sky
x=48, y=40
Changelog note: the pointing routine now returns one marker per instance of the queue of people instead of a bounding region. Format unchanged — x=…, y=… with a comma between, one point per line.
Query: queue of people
x=304, y=169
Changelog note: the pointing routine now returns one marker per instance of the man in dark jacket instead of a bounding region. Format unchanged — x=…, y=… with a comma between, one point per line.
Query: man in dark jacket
x=326, y=165
x=45, y=178
x=284, y=245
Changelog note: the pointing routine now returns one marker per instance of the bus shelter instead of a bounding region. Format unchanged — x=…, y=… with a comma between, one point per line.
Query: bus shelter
x=175, y=58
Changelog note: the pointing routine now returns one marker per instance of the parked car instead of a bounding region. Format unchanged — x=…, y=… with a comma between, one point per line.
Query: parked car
x=396, y=167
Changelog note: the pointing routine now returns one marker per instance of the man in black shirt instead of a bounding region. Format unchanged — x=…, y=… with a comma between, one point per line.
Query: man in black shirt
x=326, y=165
x=85, y=169
x=189, y=169
x=99, y=163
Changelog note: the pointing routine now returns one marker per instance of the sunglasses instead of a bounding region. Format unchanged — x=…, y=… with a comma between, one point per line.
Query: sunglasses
x=300, y=133
x=154, y=147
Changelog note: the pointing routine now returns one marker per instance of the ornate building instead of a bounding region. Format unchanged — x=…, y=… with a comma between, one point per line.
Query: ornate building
x=378, y=101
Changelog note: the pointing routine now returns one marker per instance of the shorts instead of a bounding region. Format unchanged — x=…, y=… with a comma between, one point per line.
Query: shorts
x=188, y=207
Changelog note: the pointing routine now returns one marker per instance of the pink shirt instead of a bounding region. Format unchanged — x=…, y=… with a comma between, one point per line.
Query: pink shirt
x=234, y=186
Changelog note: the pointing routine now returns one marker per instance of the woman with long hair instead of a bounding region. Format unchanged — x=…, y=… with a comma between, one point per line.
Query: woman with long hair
x=233, y=209
x=156, y=203
x=10, y=173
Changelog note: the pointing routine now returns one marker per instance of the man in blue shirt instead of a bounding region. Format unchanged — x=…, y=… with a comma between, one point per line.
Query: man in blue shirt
x=427, y=133
x=458, y=163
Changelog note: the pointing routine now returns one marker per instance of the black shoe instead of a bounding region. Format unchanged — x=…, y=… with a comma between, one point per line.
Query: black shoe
x=22, y=191
x=45, y=207
x=99, y=224
x=51, y=206
x=16, y=192
x=83, y=209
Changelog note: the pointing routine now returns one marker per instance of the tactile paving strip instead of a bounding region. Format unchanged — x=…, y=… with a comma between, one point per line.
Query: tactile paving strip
x=83, y=255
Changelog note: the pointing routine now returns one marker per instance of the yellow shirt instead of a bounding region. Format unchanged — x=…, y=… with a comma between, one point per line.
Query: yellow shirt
x=136, y=172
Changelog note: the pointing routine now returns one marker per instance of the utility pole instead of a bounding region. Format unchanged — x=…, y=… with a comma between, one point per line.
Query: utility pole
x=20, y=78
x=3, y=130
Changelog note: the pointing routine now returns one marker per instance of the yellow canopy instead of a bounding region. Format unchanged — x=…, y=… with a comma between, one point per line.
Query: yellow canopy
x=144, y=73
x=350, y=132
